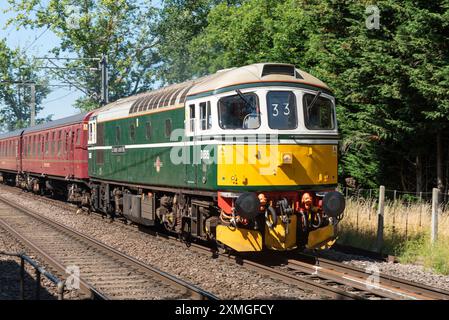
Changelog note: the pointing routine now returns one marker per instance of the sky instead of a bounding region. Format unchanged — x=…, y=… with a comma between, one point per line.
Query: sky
x=38, y=43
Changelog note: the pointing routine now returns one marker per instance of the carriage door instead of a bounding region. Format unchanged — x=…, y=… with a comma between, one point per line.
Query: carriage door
x=19, y=151
x=66, y=153
x=190, y=145
x=71, y=153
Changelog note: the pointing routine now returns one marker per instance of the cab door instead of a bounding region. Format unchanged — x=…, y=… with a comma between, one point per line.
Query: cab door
x=190, y=142
x=205, y=151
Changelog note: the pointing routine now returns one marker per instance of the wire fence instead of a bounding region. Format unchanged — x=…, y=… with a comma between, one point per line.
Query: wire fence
x=404, y=216
x=391, y=195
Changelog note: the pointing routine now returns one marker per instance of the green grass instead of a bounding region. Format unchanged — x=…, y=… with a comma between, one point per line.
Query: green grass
x=421, y=251
x=414, y=250
x=406, y=232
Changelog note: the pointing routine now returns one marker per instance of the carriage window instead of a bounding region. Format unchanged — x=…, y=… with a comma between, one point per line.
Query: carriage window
x=59, y=143
x=132, y=132
x=192, y=118
x=320, y=116
x=236, y=112
x=53, y=143
x=167, y=127
x=281, y=110
x=78, y=137
x=41, y=144
x=205, y=116
x=117, y=134
x=46, y=143
x=148, y=130
x=65, y=145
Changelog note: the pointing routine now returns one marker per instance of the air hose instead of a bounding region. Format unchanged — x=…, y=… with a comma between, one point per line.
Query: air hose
x=270, y=211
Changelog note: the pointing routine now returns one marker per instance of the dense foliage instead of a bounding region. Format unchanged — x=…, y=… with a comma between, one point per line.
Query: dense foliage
x=391, y=82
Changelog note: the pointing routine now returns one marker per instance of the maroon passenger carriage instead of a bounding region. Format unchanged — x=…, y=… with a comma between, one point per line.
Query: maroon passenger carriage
x=50, y=156
x=10, y=160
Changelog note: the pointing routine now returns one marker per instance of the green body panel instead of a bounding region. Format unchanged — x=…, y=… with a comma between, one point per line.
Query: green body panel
x=139, y=165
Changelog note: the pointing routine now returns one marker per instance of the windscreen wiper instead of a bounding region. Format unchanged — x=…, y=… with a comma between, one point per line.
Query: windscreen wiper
x=314, y=100
x=240, y=94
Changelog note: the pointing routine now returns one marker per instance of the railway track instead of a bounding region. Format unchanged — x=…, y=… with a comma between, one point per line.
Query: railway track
x=336, y=280
x=104, y=273
x=332, y=279
x=369, y=284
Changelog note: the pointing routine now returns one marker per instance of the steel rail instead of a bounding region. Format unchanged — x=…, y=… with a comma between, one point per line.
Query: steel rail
x=193, y=291
x=389, y=286
x=288, y=278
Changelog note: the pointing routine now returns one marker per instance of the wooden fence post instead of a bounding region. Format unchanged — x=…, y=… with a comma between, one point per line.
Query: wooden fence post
x=435, y=209
x=380, y=219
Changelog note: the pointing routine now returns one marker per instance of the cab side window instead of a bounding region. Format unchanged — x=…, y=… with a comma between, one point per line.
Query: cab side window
x=192, y=118
x=205, y=116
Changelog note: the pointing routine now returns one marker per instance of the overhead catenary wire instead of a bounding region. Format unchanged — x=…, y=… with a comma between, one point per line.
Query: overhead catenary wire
x=62, y=97
x=35, y=40
x=76, y=84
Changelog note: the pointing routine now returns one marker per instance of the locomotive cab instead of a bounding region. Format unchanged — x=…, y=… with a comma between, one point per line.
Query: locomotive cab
x=273, y=143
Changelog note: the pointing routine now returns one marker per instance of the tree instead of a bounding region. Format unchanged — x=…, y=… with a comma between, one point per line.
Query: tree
x=423, y=42
x=119, y=29
x=178, y=23
x=15, y=111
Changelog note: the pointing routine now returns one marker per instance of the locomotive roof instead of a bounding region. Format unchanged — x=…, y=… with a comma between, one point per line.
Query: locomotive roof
x=175, y=95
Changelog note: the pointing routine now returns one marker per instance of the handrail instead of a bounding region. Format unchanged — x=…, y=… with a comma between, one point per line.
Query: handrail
x=60, y=284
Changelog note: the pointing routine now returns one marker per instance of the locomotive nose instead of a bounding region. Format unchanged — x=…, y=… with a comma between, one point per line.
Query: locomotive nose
x=247, y=205
x=333, y=204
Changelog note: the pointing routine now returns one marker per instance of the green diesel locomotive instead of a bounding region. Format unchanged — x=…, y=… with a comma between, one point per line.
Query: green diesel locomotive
x=246, y=157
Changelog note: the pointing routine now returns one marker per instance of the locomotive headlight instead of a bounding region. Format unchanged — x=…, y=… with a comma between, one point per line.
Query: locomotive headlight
x=286, y=158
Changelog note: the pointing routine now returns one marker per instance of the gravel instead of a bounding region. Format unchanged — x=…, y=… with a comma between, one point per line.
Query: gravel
x=223, y=278
x=411, y=272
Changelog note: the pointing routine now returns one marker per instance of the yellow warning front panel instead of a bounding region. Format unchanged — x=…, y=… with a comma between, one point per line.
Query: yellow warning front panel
x=263, y=165
x=242, y=240
x=277, y=239
x=320, y=236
